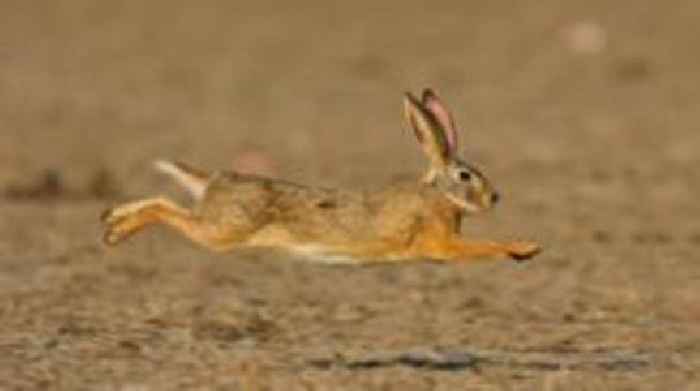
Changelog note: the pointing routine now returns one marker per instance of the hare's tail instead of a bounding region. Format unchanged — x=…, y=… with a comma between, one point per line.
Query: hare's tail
x=192, y=179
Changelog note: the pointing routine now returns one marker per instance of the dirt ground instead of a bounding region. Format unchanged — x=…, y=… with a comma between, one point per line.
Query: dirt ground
x=585, y=115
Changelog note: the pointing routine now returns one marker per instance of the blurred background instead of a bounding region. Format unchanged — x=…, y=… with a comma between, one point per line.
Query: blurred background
x=584, y=114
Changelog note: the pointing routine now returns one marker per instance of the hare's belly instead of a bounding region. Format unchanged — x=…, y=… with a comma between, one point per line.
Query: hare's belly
x=332, y=248
x=290, y=235
x=336, y=247
x=280, y=237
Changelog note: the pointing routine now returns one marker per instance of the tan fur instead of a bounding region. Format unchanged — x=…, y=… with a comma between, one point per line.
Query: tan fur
x=404, y=221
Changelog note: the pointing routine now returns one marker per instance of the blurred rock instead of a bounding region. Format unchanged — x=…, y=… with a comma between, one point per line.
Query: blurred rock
x=50, y=185
x=254, y=162
x=632, y=69
x=102, y=185
x=585, y=37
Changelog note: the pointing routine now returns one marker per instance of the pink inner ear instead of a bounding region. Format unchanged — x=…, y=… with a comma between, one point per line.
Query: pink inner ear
x=443, y=116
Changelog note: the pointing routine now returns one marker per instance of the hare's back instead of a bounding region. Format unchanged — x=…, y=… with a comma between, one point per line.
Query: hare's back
x=252, y=203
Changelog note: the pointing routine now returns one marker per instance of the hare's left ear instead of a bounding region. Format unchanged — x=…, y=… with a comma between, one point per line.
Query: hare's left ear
x=429, y=132
x=442, y=115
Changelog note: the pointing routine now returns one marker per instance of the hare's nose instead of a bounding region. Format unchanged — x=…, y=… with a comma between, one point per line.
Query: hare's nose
x=495, y=197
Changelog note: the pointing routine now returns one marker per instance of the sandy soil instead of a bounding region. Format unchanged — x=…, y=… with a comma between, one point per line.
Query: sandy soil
x=585, y=116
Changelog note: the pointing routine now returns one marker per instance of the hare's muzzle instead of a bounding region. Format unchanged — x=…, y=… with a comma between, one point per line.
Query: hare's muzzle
x=487, y=200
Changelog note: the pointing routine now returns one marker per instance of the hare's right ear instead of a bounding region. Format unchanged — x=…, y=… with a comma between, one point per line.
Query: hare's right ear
x=442, y=115
x=429, y=133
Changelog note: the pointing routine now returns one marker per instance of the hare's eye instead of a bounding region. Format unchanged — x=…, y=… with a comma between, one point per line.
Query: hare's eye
x=465, y=176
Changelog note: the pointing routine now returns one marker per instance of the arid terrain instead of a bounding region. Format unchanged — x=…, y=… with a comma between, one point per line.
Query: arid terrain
x=585, y=115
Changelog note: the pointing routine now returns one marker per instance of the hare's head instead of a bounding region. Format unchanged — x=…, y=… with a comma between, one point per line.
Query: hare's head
x=461, y=182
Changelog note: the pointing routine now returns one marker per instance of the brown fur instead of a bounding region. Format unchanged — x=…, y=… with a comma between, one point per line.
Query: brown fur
x=403, y=221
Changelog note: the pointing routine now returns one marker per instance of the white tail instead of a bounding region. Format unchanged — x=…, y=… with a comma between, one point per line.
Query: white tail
x=193, y=180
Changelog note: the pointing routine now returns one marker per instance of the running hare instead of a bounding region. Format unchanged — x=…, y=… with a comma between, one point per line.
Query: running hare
x=413, y=220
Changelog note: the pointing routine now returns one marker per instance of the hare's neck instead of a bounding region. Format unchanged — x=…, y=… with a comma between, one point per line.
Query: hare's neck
x=457, y=217
x=448, y=212
x=448, y=218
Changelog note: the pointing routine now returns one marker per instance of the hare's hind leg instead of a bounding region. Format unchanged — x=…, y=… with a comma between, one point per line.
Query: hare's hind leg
x=127, y=219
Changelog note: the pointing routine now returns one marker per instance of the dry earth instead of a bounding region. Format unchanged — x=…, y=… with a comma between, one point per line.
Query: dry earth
x=585, y=115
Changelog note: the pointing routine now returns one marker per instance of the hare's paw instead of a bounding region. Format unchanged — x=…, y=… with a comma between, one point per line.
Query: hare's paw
x=108, y=216
x=119, y=225
x=115, y=233
x=521, y=251
x=117, y=213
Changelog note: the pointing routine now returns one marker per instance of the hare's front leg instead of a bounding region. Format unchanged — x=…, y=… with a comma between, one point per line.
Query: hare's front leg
x=458, y=250
x=127, y=219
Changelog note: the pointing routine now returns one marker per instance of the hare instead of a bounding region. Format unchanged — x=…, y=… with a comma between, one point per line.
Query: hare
x=415, y=220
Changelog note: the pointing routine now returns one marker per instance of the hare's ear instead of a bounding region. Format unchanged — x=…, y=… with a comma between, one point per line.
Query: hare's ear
x=442, y=115
x=428, y=131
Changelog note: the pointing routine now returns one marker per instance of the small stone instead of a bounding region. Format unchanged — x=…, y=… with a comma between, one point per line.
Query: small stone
x=585, y=37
